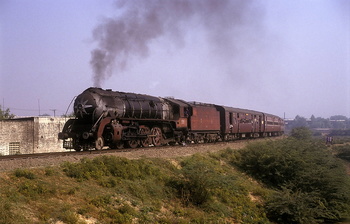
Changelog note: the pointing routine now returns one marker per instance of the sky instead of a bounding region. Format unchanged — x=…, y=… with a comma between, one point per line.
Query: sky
x=282, y=57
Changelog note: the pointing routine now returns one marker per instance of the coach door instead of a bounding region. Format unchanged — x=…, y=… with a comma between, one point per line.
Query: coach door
x=263, y=123
x=230, y=123
x=233, y=121
x=254, y=121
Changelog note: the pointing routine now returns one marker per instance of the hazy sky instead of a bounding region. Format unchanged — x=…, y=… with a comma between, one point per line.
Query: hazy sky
x=276, y=56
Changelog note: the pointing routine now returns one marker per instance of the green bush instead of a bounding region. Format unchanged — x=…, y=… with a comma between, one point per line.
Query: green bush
x=50, y=171
x=68, y=216
x=305, y=175
x=34, y=190
x=204, y=182
x=24, y=173
x=287, y=206
x=64, y=213
x=301, y=133
x=196, y=180
x=342, y=151
x=341, y=139
x=102, y=201
x=109, y=182
x=114, y=216
x=110, y=166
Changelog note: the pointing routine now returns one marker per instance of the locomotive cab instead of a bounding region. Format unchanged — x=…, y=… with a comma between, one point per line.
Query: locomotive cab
x=181, y=111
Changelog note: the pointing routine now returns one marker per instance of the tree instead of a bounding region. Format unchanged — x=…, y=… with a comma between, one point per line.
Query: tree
x=6, y=114
x=299, y=122
x=301, y=133
x=319, y=122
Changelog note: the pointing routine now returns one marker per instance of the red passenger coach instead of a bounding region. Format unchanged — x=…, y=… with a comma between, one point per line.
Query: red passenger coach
x=273, y=125
x=240, y=123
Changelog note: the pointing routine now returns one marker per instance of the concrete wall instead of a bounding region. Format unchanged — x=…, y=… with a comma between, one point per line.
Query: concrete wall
x=31, y=135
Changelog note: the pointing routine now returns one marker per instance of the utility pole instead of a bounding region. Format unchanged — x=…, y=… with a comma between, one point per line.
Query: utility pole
x=54, y=112
x=39, y=106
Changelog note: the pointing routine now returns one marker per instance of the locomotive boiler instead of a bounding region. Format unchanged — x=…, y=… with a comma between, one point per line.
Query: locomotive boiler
x=112, y=119
x=94, y=104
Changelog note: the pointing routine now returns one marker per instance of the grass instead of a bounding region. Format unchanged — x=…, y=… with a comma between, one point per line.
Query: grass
x=203, y=188
x=198, y=189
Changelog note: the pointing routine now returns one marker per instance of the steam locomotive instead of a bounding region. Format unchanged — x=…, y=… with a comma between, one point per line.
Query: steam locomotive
x=111, y=119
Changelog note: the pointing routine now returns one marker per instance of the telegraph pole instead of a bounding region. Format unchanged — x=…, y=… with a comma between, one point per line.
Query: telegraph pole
x=39, y=106
x=54, y=112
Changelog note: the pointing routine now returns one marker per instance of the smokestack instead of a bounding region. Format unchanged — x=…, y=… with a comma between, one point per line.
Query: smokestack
x=130, y=34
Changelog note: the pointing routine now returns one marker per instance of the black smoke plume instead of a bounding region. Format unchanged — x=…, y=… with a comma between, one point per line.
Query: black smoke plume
x=140, y=22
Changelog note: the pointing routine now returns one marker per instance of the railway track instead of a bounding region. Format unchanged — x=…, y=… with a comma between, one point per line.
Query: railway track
x=53, y=159
x=52, y=154
x=74, y=153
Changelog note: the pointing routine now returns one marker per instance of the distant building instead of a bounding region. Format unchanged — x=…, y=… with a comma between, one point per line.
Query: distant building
x=31, y=135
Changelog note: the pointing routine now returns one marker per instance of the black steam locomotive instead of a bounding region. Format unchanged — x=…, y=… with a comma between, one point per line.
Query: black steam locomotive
x=110, y=119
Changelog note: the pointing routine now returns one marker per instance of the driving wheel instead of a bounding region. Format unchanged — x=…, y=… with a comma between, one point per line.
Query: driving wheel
x=157, y=136
x=146, y=141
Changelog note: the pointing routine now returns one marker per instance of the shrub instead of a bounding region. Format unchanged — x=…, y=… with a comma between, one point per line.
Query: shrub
x=342, y=151
x=67, y=215
x=24, y=173
x=206, y=183
x=287, y=206
x=301, y=133
x=50, y=171
x=198, y=179
x=109, y=182
x=34, y=190
x=115, y=216
x=305, y=174
x=340, y=139
x=127, y=209
x=110, y=166
x=102, y=201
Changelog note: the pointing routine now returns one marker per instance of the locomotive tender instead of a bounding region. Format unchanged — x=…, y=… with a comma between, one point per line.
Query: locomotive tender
x=106, y=118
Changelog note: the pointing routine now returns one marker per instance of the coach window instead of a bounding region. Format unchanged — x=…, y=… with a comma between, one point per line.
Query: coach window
x=187, y=112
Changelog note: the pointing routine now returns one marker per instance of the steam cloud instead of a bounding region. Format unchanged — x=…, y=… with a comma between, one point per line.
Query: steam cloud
x=130, y=34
